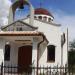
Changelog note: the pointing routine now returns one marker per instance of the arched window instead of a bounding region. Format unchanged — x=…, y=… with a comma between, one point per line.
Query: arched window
x=45, y=18
x=35, y=17
x=7, y=52
x=49, y=19
x=40, y=17
x=50, y=53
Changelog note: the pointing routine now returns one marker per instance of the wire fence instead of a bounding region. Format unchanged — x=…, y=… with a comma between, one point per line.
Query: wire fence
x=19, y=70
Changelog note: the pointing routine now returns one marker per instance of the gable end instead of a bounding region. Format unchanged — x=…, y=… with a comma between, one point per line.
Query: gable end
x=18, y=26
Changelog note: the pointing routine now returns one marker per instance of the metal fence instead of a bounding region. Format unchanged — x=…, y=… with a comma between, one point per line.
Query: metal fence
x=16, y=70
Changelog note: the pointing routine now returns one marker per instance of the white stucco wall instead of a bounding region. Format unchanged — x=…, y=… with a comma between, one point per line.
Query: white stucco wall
x=53, y=34
x=2, y=45
x=13, y=55
x=14, y=52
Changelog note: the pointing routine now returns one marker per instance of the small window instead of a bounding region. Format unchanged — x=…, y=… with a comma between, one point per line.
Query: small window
x=7, y=52
x=49, y=20
x=19, y=29
x=45, y=18
x=51, y=53
x=35, y=17
x=40, y=17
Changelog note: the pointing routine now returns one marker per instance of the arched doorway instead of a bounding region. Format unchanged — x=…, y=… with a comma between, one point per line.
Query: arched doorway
x=25, y=58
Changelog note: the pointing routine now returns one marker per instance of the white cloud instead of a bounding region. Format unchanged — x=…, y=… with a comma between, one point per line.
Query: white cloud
x=66, y=21
x=4, y=10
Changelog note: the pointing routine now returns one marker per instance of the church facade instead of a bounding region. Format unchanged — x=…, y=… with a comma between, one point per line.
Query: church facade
x=33, y=41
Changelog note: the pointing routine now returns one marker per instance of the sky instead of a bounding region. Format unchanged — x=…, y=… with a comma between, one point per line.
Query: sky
x=62, y=10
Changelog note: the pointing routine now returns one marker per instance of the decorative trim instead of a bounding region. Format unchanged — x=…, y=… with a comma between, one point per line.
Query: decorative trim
x=23, y=33
x=49, y=22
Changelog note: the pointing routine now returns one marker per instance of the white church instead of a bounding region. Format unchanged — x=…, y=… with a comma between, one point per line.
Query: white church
x=33, y=41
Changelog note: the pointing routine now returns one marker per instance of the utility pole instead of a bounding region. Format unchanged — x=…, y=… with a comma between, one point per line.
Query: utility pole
x=67, y=46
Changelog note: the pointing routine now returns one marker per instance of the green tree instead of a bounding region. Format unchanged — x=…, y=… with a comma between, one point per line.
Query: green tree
x=72, y=45
x=71, y=54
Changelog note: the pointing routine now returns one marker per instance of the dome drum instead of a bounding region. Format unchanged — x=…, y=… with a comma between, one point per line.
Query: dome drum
x=43, y=14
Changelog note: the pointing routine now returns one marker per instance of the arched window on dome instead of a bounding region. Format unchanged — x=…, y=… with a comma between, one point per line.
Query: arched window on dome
x=44, y=18
x=35, y=17
x=49, y=19
x=40, y=17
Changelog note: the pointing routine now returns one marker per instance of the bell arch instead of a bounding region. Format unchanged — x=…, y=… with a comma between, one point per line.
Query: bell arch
x=16, y=5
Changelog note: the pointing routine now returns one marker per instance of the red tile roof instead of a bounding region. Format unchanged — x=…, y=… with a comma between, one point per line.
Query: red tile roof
x=20, y=33
x=43, y=11
x=23, y=33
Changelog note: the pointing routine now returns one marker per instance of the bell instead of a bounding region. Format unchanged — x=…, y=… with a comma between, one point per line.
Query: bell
x=21, y=6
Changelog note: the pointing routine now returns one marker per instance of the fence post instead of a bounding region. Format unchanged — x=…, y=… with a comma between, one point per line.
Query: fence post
x=66, y=69
x=2, y=68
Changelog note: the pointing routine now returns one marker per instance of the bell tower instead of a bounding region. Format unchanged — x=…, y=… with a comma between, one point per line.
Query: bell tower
x=20, y=4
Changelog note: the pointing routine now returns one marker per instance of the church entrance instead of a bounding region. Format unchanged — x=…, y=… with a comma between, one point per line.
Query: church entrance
x=25, y=58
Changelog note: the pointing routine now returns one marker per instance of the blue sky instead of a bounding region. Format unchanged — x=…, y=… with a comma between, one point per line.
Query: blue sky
x=64, y=5
x=62, y=10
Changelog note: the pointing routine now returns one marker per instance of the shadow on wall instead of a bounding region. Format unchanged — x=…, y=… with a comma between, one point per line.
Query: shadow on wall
x=42, y=49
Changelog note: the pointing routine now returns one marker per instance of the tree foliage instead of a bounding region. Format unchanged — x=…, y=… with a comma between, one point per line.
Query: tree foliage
x=71, y=54
x=71, y=58
x=72, y=44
